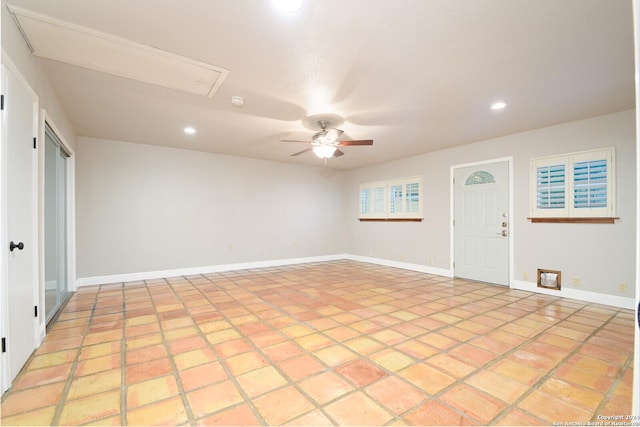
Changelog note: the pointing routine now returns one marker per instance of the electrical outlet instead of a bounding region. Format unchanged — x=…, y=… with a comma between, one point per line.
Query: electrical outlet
x=430, y=261
x=576, y=281
x=525, y=276
x=622, y=287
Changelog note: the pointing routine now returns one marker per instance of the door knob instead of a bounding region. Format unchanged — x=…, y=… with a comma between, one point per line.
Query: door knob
x=13, y=246
x=504, y=233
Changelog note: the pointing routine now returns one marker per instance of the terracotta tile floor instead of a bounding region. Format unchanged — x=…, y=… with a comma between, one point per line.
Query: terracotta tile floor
x=336, y=343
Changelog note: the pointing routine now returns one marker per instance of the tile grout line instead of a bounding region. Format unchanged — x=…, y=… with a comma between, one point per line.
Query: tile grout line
x=390, y=346
x=226, y=369
x=290, y=380
x=328, y=368
x=124, y=389
x=65, y=393
x=170, y=356
x=357, y=388
x=238, y=292
x=296, y=384
x=514, y=405
x=550, y=373
x=408, y=338
x=461, y=379
x=616, y=381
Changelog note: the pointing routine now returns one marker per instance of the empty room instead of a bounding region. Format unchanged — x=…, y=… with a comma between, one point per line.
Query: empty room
x=319, y=212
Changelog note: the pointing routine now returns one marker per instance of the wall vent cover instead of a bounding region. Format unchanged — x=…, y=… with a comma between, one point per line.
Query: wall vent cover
x=549, y=279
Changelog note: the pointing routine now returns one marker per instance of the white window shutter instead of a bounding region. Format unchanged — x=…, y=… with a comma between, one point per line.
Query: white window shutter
x=398, y=198
x=580, y=185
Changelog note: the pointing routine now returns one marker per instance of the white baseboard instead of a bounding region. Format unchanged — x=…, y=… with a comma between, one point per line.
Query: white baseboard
x=150, y=275
x=404, y=265
x=606, y=299
x=613, y=300
x=41, y=333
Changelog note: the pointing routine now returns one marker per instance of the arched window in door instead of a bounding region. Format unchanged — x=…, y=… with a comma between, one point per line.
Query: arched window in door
x=480, y=177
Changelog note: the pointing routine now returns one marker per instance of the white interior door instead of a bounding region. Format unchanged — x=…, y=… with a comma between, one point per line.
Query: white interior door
x=19, y=213
x=481, y=222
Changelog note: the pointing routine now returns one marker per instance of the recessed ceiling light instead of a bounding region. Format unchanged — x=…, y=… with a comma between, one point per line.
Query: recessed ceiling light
x=498, y=105
x=189, y=130
x=288, y=6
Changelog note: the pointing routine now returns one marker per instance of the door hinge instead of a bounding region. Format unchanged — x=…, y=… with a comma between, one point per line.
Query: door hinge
x=34, y=143
x=1, y=102
x=35, y=310
x=4, y=345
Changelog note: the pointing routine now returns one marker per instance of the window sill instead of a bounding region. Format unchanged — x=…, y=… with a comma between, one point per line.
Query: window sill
x=390, y=219
x=603, y=220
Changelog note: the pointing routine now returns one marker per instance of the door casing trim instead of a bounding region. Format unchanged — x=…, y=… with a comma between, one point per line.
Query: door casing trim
x=47, y=120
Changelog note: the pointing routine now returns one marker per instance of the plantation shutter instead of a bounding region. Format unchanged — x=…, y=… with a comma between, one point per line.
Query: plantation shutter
x=413, y=197
x=372, y=200
x=405, y=198
x=550, y=187
x=590, y=184
x=398, y=198
x=395, y=199
x=592, y=188
x=577, y=185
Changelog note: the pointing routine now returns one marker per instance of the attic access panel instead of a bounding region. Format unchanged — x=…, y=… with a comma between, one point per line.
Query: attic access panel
x=83, y=47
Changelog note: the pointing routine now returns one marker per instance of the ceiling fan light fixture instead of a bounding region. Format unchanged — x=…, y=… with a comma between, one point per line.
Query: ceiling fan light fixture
x=321, y=138
x=324, y=151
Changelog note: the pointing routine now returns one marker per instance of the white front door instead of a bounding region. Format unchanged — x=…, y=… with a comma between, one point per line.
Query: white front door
x=19, y=217
x=481, y=222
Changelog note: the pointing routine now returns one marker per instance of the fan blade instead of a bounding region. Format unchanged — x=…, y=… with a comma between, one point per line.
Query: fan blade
x=301, y=152
x=333, y=134
x=338, y=153
x=357, y=142
x=293, y=140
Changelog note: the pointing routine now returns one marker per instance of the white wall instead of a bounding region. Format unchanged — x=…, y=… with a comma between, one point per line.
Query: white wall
x=16, y=51
x=143, y=209
x=565, y=247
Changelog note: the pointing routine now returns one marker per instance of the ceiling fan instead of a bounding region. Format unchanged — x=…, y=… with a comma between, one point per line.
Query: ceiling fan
x=324, y=144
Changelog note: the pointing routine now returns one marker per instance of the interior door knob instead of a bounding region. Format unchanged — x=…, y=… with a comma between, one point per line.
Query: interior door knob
x=19, y=246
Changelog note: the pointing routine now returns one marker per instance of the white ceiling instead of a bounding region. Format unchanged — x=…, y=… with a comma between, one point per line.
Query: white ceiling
x=413, y=75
